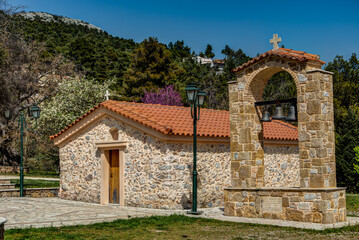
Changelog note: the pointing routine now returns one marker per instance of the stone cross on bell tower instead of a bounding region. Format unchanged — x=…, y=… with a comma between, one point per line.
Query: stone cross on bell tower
x=275, y=40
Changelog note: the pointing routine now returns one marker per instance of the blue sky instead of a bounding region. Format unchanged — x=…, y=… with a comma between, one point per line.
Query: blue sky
x=327, y=28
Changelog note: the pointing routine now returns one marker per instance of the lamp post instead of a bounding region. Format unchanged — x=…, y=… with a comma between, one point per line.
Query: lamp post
x=34, y=112
x=196, y=98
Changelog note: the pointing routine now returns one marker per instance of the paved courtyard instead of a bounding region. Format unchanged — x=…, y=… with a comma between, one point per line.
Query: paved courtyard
x=47, y=212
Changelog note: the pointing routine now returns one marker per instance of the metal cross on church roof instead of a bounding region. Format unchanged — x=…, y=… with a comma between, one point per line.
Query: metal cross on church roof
x=275, y=40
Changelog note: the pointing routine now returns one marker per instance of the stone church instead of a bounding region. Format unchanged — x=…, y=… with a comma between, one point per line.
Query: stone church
x=137, y=154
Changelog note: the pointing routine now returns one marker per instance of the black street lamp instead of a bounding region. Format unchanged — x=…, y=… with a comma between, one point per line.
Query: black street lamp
x=34, y=112
x=196, y=98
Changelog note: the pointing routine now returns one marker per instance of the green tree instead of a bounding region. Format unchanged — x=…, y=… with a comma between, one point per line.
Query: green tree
x=233, y=59
x=345, y=84
x=208, y=53
x=356, y=165
x=346, y=116
x=151, y=67
x=179, y=50
x=74, y=98
x=347, y=133
x=27, y=76
x=280, y=86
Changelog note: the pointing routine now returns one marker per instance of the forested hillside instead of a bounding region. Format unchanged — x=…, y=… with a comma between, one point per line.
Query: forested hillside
x=132, y=67
x=95, y=53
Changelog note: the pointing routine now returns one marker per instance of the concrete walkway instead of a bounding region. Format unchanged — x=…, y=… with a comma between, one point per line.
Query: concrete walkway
x=33, y=178
x=47, y=212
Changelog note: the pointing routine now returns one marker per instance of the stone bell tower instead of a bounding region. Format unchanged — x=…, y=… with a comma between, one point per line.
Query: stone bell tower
x=318, y=199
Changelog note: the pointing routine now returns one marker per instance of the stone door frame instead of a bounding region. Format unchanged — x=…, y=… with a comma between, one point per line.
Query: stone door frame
x=105, y=148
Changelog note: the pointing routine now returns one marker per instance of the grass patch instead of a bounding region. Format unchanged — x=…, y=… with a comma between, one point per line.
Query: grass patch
x=353, y=203
x=30, y=183
x=178, y=227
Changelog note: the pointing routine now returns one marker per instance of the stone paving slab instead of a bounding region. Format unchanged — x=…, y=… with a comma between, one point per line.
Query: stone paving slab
x=56, y=212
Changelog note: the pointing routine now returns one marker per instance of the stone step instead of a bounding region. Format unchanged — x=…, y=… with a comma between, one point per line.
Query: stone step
x=7, y=186
x=5, y=181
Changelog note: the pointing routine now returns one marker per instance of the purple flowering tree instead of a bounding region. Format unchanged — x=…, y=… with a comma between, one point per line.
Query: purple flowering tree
x=164, y=96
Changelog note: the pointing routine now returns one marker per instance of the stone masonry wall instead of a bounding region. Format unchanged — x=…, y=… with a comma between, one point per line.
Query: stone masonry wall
x=281, y=166
x=305, y=205
x=12, y=169
x=157, y=174
x=30, y=192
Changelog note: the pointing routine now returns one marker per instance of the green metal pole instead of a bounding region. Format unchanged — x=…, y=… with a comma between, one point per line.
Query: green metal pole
x=194, y=202
x=194, y=179
x=21, y=155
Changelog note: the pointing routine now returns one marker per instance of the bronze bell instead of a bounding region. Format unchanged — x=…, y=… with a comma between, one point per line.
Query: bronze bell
x=266, y=116
x=278, y=113
x=292, y=116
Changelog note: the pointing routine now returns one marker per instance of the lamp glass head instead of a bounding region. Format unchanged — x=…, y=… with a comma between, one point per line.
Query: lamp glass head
x=35, y=111
x=7, y=114
x=201, y=96
x=191, y=91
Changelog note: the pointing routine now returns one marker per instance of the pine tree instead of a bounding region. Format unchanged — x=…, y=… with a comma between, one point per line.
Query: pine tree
x=208, y=53
x=346, y=140
x=151, y=67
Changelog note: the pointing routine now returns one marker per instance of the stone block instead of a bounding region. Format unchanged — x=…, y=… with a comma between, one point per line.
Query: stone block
x=308, y=217
x=245, y=135
x=244, y=172
x=313, y=126
x=234, y=165
x=317, y=162
x=312, y=86
x=304, y=173
x=260, y=172
x=303, y=154
x=244, y=156
x=239, y=212
x=342, y=203
x=314, y=107
x=322, y=152
x=322, y=205
x=316, y=181
x=332, y=180
x=226, y=196
x=294, y=215
x=310, y=196
x=285, y=201
x=328, y=217
x=237, y=197
x=233, y=97
x=296, y=199
x=304, y=206
x=317, y=217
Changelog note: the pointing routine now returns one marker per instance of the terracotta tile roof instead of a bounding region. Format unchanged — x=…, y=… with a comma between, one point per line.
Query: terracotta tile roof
x=219, y=61
x=175, y=120
x=282, y=52
x=278, y=130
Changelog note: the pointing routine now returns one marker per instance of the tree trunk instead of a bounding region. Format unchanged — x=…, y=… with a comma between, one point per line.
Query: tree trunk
x=10, y=156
